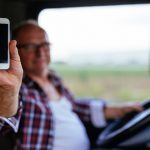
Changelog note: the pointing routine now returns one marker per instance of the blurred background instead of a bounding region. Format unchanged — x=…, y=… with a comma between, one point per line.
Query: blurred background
x=101, y=51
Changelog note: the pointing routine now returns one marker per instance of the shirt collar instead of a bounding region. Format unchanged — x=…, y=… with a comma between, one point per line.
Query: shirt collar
x=52, y=76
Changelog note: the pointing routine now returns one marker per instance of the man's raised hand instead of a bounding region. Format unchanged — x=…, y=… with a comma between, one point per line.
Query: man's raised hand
x=10, y=82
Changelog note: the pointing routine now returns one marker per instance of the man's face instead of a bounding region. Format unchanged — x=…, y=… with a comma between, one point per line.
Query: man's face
x=34, y=50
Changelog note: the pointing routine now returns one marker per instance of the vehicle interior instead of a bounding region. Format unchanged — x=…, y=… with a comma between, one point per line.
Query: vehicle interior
x=128, y=133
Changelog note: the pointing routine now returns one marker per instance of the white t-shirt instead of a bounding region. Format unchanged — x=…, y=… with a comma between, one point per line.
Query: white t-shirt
x=70, y=133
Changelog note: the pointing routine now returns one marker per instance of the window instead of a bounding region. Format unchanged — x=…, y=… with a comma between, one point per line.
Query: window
x=101, y=51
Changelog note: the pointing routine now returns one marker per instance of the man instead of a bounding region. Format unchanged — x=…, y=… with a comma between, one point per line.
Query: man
x=51, y=118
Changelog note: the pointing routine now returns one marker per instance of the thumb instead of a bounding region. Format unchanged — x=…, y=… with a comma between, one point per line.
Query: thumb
x=14, y=56
x=15, y=64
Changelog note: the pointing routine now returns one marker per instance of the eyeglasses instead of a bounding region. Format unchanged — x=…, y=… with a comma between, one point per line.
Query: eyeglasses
x=33, y=47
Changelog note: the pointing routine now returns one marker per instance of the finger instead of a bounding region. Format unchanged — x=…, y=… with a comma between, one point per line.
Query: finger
x=15, y=64
x=132, y=108
x=13, y=51
x=138, y=107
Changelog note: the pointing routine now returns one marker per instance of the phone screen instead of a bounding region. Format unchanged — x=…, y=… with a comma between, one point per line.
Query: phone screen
x=3, y=43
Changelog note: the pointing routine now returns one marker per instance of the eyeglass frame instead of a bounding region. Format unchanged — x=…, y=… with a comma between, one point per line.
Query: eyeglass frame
x=30, y=47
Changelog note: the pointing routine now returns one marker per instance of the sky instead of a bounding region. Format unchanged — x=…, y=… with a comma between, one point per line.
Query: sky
x=97, y=30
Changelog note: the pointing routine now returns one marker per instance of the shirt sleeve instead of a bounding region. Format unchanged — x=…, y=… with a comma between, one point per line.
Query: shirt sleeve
x=97, y=113
x=12, y=122
x=91, y=110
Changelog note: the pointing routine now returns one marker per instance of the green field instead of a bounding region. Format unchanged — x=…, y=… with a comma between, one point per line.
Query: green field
x=113, y=83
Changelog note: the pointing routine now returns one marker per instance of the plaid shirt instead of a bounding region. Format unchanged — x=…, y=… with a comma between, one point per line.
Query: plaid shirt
x=36, y=127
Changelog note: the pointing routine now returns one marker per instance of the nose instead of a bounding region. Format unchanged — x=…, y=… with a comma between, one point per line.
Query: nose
x=39, y=52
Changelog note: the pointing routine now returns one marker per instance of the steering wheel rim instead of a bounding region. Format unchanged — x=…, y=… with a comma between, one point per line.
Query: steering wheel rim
x=128, y=125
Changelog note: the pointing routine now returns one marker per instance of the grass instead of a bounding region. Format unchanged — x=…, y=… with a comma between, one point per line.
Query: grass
x=115, y=84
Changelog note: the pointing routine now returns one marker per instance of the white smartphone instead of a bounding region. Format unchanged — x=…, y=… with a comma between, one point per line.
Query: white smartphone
x=4, y=43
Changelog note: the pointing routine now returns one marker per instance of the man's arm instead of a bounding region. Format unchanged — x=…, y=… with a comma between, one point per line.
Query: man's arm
x=10, y=81
x=98, y=112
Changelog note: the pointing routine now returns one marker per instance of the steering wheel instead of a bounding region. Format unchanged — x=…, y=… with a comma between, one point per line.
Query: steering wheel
x=125, y=127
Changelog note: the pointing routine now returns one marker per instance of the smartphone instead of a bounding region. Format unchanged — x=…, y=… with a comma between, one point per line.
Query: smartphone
x=4, y=43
